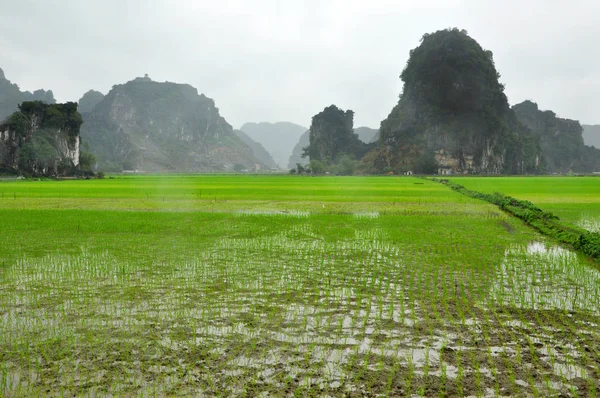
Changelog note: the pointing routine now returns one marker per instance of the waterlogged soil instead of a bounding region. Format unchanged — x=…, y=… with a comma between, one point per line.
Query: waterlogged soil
x=285, y=316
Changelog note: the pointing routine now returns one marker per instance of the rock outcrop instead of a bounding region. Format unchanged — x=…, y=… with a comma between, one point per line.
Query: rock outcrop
x=152, y=126
x=41, y=139
x=332, y=136
x=365, y=134
x=561, y=140
x=453, y=112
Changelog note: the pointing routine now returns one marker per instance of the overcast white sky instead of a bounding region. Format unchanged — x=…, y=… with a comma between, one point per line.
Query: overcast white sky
x=284, y=60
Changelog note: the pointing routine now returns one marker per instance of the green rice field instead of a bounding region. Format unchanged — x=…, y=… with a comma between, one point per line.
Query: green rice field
x=574, y=199
x=208, y=285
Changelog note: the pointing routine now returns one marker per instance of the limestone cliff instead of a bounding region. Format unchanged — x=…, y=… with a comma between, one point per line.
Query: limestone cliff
x=561, y=140
x=41, y=139
x=152, y=126
x=453, y=115
x=365, y=134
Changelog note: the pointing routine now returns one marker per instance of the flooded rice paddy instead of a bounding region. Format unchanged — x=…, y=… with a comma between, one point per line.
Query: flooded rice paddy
x=457, y=300
x=280, y=315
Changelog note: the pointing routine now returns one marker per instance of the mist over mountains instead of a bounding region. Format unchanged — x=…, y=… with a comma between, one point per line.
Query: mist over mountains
x=452, y=117
x=11, y=96
x=277, y=138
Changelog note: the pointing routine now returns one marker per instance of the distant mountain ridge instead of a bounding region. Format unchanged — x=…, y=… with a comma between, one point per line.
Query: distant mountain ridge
x=158, y=127
x=11, y=96
x=90, y=99
x=258, y=150
x=367, y=134
x=277, y=138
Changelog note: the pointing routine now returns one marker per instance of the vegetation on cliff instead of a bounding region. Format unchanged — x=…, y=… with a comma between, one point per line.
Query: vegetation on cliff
x=333, y=144
x=453, y=107
x=41, y=139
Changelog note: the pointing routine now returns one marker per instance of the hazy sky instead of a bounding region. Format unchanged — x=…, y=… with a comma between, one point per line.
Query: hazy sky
x=284, y=60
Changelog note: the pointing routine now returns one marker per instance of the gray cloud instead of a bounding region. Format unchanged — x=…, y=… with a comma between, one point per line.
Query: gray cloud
x=270, y=60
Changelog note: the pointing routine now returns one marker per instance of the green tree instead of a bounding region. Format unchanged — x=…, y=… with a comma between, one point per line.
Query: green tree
x=87, y=160
x=426, y=163
x=317, y=166
x=347, y=165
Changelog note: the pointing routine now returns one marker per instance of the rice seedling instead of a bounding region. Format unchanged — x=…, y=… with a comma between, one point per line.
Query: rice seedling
x=445, y=296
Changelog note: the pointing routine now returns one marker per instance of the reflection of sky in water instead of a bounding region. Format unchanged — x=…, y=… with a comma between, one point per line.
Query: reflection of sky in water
x=590, y=223
x=540, y=276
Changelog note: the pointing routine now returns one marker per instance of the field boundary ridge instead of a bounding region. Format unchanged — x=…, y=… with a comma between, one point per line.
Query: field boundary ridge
x=545, y=222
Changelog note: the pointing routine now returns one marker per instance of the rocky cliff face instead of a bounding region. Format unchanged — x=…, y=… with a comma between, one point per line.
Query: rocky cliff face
x=41, y=139
x=561, y=140
x=11, y=96
x=154, y=126
x=453, y=111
